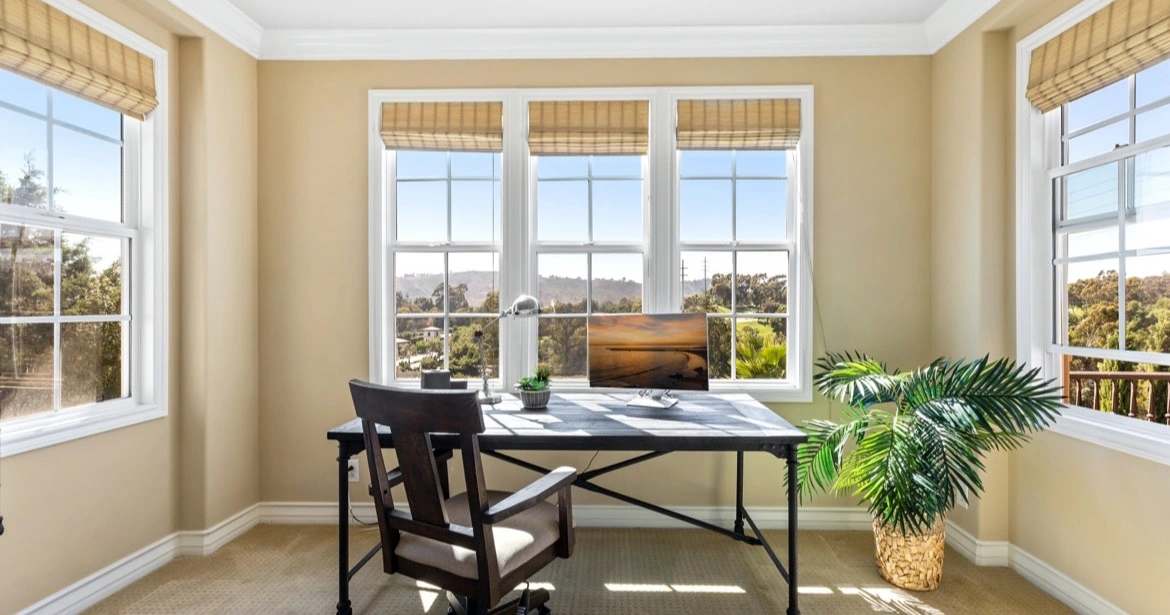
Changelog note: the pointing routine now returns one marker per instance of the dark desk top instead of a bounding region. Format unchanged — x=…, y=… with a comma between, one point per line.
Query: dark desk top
x=596, y=421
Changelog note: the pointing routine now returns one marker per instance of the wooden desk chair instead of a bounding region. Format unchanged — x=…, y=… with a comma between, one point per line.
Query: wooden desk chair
x=478, y=545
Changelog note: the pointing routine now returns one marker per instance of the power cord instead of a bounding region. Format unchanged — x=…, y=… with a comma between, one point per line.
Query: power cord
x=349, y=500
x=591, y=460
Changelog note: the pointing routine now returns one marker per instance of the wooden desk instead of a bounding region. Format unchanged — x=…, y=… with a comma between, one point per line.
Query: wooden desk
x=602, y=422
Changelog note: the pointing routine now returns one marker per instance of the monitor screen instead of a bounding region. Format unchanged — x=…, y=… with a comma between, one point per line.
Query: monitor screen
x=648, y=351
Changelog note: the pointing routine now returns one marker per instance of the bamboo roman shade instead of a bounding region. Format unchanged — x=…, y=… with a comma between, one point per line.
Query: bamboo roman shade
x=739, y=124
x=42, y=43
x=460, y=126
x=1120, y=40
x=589, y=127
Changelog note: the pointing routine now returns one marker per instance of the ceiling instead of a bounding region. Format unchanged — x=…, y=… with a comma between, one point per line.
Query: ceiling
x=483, y=29
x=395, y=14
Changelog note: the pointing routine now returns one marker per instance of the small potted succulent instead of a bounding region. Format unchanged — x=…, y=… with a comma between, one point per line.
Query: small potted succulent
x=534, y=391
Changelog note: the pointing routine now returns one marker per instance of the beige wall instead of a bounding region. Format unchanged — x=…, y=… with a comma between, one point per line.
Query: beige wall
x=219, y=427
x=1095, y=514
x=75, y=508
x=872, y=246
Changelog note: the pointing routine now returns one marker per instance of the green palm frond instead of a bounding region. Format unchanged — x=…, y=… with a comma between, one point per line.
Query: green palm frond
x=914, y=458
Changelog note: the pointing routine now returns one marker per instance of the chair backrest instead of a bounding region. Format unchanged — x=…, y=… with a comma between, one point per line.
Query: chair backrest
x=412, y=417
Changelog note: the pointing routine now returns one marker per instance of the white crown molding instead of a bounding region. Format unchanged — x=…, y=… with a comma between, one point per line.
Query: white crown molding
x=556, y=43
x=951, y=19
x=226, y=20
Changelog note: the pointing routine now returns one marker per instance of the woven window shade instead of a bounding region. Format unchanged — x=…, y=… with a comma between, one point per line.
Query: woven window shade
x=42, y=43
x=1120, y=40
x=589, y=127
x=738, y=124
x=457, y=126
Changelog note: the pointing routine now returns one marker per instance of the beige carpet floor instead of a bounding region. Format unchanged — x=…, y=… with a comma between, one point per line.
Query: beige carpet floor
x=290, y=569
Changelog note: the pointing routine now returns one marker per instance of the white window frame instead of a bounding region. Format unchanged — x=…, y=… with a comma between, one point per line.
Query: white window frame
x=662, y=289
x=146, y=207
x=1038, y=140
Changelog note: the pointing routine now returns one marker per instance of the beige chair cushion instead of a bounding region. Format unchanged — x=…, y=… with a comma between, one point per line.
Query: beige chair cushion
x=518, y=539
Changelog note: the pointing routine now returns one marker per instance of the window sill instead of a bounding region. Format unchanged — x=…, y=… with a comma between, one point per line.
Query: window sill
x=1143, y=439
x=36, y=432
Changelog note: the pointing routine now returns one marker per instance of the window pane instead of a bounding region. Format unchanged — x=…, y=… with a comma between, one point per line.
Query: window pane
x=91, y=275
x=761, y=282
x=1090, y=243
x=1152, y=178
x=1091, y=297
x=563, y=284
x=475, y=211
x=761, y=164
x=1100, y=141
x=1092, y=192
x=719, y=347
x=26, y=370
x=707, y=282
x=87, y=175
x=617, y=166
x=418, y=345
x=760, y=210
x=91, y=362
x=563, y=210
x=87, y=115
x=562, y=166
x=23, y=160
x=422, y=211
x=1153, y=124
x=26, y=271
x=705, y=210
x=617, y=283
x=464, y=348
x=1088, y=390
x=475, y=164
x=761, y=348
x=412, y=164
x=474, y=280
x=418, y=283
x=563, y=346
x=617, y=211
x=1153, y=84
x=24, y=93
x=1099, y=106
x=1147, y=284
x=705, y=163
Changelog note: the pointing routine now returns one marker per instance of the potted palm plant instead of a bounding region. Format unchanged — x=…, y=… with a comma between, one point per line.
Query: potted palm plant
x=919, y=439
x=534, y=391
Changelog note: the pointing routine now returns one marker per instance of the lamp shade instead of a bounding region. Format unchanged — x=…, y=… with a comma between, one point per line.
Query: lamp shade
x=524, y=306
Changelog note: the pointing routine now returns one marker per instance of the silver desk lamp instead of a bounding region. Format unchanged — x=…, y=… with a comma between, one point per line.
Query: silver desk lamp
x=525, y=306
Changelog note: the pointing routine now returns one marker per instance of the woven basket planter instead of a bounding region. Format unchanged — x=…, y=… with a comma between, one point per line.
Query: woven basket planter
x=535, y=400
x=910, y=562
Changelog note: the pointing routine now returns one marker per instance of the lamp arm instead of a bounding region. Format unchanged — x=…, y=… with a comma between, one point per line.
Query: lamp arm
x=479, y=335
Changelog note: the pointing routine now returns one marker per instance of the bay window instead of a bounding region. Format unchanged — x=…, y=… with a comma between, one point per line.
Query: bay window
x=594, y=201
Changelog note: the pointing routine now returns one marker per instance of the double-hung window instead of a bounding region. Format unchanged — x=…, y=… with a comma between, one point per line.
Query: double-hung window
x=1094, y=226
x=82, y=230
x=597, y=201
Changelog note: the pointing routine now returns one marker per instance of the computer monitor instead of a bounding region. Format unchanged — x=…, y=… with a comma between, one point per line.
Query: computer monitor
x=654, y=353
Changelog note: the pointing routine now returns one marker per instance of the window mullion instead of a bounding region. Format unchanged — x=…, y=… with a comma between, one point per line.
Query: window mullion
x=1122, y=207
x=58, y=378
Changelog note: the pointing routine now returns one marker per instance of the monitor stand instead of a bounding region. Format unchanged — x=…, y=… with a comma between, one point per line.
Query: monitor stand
x=653, y=399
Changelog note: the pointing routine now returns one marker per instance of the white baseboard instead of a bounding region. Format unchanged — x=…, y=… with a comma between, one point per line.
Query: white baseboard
x=981, y=552
x=109, y=580
x=616, y=516
x=1060, y=586
x=105, y=582
x=206, y=542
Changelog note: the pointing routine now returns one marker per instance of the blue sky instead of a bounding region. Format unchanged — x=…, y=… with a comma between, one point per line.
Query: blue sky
x=87, y=170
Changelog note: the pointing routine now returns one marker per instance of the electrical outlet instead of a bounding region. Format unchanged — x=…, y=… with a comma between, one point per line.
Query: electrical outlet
x=354, y=473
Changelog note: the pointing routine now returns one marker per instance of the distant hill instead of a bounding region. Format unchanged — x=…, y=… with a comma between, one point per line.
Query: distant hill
x=555, y=288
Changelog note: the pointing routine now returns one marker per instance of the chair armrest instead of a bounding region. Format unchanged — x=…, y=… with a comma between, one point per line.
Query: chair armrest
x=543, y=487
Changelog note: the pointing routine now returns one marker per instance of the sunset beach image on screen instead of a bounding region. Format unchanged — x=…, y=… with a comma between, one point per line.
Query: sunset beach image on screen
x=648, y=351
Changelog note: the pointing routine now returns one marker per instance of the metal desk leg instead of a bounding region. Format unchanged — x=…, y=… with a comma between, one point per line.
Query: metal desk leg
x=793, y=503
x=739, y=492
x=343, y=605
